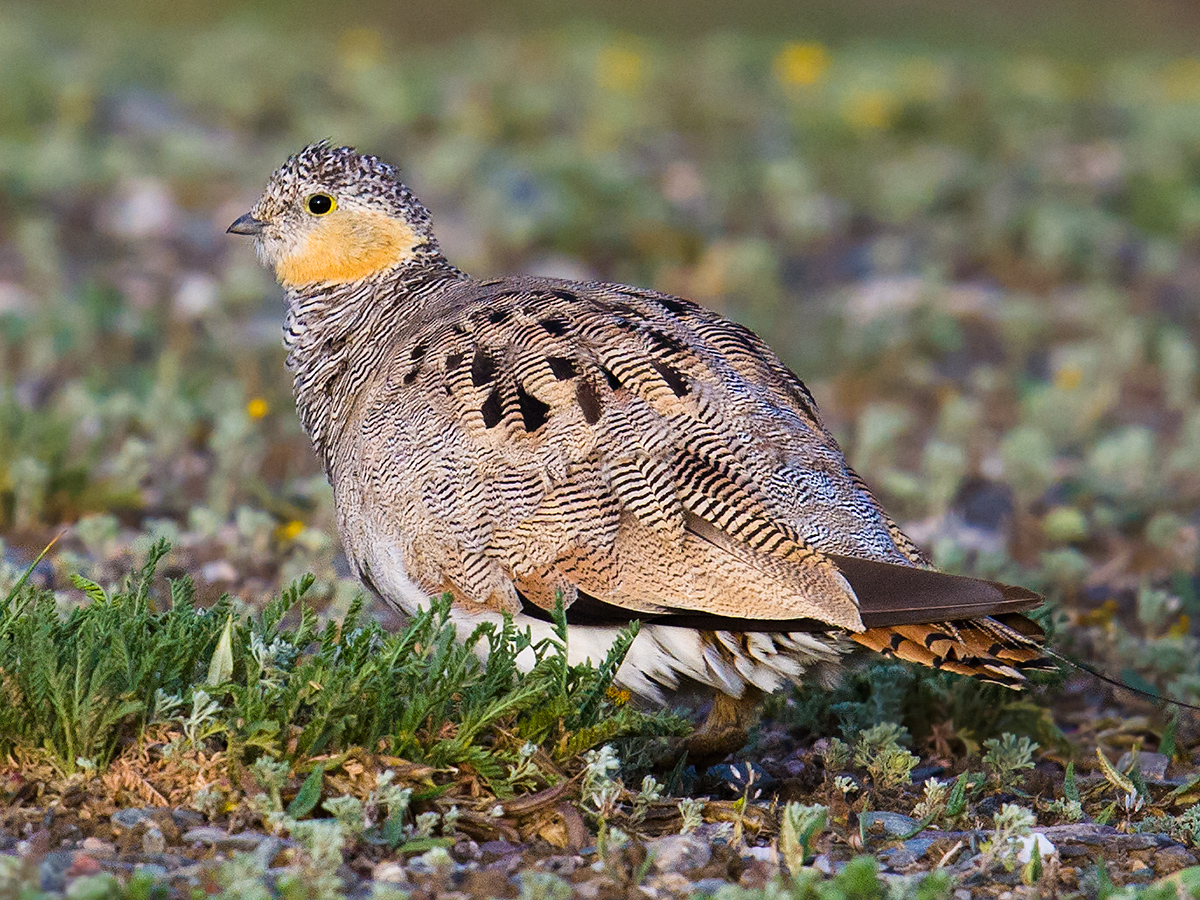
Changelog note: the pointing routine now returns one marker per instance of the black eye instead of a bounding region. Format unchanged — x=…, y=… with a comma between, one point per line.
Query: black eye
x=320, y=204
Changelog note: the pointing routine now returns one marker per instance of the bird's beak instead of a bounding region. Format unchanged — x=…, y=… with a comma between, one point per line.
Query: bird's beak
x=246, y=224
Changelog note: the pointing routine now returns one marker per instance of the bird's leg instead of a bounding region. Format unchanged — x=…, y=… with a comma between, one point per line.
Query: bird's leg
x=727, y=726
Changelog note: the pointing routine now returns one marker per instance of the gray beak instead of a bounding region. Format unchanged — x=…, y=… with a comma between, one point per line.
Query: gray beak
x=246, y=224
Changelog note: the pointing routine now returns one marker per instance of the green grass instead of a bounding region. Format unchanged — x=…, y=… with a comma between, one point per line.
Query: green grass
x=83, y=687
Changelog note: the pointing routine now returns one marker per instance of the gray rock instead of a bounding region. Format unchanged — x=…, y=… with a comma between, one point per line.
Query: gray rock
x=907, y=853
x=892, y=824
x=678, y=853
x=94, y=846
x=52, y=872
x=1170, y=860
x=1078, y=833
x=153, y=842
x=1129, y=842
x=132, y=818
x=219, y=838
x=1153, y=766
x=187, y=818
x=706, y=886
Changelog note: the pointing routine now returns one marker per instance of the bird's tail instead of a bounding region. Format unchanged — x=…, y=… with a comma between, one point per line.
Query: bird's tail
x=1000, y=648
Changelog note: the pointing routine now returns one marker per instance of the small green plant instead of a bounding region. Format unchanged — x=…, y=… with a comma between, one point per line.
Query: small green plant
x=932, y=805
x=799, y=829
x=878, y=751
x=691, y=813
x=1012, y=824
x=1006, y=757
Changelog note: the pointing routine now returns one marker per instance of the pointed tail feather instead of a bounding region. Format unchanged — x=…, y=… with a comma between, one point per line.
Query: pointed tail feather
x=1000, y=650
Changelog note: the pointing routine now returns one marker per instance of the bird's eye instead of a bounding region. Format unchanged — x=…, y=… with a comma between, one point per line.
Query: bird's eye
x=320, y=204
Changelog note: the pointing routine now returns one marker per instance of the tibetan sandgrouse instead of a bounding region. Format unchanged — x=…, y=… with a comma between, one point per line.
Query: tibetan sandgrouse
x=516, y=439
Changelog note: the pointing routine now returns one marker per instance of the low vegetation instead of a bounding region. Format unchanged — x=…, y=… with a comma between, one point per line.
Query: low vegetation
x=983, y=263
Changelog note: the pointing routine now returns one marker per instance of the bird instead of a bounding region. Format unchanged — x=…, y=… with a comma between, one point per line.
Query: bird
x=523, y=441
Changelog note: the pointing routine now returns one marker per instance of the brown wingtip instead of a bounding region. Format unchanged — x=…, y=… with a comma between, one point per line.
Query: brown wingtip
x=890, y=594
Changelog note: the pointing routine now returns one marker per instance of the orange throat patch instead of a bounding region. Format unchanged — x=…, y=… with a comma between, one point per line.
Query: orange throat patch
x=348, y=246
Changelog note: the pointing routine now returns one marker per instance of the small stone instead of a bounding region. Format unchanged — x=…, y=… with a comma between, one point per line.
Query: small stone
x=678, y=853
x=962, y=894
x=217, y=571
x=822, y=864
x=93, y=846
x=219, y=838
x=54, y=868
x=132, y=818
x=1035, y=843
x=497, y=849
x=900, y=858
x=669, y=884
x=187, y=818
x=84, y=864
x=1128, y=842
x=1153, y=766
x=560, y=865
x=707, y=886
x=890, y=823
x=1170, y=860
x=153, y=842
x=761, y=854
x=466, y=850
x=1079, y=833
x=389, y=871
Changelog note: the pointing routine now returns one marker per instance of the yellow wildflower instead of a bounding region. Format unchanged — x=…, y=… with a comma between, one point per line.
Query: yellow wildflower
x=291, y=530
x=871, y=110
x=801, y=64
x=1068, y=378
x=620, y=69
x=257, y=408
x=1182, y=627
x=618, y=696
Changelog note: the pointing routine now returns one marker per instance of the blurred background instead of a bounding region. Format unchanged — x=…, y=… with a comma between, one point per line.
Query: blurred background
x=973, y=228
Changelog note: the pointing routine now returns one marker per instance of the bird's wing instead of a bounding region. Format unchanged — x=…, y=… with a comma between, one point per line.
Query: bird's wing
x=538, y=437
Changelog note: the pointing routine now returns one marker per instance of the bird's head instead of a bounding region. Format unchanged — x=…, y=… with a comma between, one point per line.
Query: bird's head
x=330, y=216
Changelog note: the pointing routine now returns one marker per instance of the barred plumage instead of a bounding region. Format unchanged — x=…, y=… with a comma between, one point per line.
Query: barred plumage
x=516, y=439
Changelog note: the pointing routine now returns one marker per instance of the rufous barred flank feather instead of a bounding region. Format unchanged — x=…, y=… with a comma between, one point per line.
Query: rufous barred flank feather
x=516, y=439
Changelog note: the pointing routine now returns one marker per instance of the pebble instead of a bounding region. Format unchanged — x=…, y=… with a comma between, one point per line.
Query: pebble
x=153, y=842
x=561, y=865
x=762, y=854
x=1170, y=860
x=1035, y=843
x=389, y=871
x=52, y=872
x=892, y=824
x=1152, y=766
x=132, y=818
x=678, y=853
x=669, y=884
x=222, y=840
x=93, y=846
